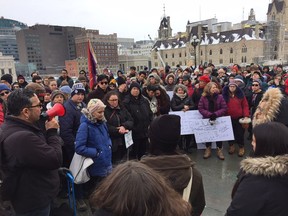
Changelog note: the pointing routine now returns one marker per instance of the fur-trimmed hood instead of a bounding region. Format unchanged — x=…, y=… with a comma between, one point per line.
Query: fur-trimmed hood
x=266, y=166
x=268, y=107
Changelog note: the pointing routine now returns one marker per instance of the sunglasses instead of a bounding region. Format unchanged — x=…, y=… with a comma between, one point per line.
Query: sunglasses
x=103, y=83
x=5, y=93
x=255, y=85
x=38, y=105
x=113, y=100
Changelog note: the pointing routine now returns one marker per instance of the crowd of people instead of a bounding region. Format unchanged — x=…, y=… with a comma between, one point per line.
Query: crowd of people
x=97, y=119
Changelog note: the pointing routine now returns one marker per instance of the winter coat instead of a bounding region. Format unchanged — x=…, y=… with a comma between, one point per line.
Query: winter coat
x=262, y=188
x=30, y=163
x=220, y=108
x=275, y=108
x=68, y=79
x=93, y=141
x=176, y=169
x=69, y=124
x=190, y=90
x=141, y=113
x=253, y=101
x=237, y=106
x=117, y=117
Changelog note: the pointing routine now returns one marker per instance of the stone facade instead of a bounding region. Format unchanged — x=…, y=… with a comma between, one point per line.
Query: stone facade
x=7, y=66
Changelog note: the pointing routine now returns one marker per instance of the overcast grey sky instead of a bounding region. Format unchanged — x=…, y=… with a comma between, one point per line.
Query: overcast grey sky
x=129, y=18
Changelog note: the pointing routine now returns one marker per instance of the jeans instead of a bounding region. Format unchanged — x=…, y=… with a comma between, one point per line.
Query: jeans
x=45, y=211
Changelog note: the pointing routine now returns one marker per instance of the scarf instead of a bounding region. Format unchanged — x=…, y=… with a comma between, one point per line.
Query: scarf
x=182, y=96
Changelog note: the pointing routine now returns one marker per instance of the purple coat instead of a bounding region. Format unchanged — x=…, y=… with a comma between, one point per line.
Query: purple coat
x=220, y=106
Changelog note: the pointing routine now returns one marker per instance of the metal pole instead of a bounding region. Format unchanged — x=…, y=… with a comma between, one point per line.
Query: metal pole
x=195, y=66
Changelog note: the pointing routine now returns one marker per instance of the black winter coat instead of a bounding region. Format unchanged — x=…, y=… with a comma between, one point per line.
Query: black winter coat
x=30, y=164
x=97, y=93
x=141, y=113
x=115, y=118
x=177, y=104
x=262, y=188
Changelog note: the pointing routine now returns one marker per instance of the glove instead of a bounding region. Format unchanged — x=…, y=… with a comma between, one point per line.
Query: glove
x=213, y=117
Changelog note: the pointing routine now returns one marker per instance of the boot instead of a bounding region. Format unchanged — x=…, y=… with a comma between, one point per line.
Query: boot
x=241, y=152
x=207, y=152
x=231, y=149
x=220, y=154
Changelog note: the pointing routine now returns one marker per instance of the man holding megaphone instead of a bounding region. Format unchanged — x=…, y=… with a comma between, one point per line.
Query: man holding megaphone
x=29, y=160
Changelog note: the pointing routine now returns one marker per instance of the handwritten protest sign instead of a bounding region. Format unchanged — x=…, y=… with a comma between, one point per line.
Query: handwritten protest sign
x=220, y=131
x=192, y=123
x=187, y=120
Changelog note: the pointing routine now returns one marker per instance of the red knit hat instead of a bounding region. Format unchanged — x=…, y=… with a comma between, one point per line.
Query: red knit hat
x=204, y=79
x=235, y=68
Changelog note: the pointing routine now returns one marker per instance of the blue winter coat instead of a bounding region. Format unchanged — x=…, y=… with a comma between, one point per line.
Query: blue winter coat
x=92, y=140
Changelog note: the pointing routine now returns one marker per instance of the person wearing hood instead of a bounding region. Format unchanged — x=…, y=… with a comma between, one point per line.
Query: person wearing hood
x=142, y=115
x=170, y=82
x=262, y=184
x=148, y=93
x=237, y=108
x=21, y=81
x=272, y=107
x=93, y=141
x=164, y=134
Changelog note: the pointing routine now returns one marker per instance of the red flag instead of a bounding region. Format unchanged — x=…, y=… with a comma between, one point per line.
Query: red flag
x=92, y=65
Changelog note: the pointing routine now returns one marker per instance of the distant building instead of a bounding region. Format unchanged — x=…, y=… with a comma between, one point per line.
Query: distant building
x=7, y=66
x=140, y=62
x=220, y=44
x=105, y=47
x=47, y=46
x=8, y=44
x=276, y=45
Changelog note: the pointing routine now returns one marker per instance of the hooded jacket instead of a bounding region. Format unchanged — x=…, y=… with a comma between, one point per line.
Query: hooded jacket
x=272, y=107
x=262, y=188
x=176, y=169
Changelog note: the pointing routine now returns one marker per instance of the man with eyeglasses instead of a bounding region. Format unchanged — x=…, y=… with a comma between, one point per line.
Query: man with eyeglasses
x=101, y=89
x=64, y=77
x=29, y=160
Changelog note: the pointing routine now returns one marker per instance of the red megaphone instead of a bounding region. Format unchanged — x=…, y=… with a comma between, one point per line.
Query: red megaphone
x=57, y=110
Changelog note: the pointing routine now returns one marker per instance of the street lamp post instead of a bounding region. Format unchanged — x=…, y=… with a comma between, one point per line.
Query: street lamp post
x=194, y=42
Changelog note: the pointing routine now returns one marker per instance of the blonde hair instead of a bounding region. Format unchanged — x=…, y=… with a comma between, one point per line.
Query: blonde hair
x=207, y=88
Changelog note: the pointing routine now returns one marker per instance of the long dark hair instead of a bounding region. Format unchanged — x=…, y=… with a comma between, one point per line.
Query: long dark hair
x=271, y=139
x=135, y=189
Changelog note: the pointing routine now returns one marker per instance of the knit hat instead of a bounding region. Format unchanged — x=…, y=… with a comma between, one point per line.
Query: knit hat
x=120, y=81
x=257, y=72
x=55, y=93
x=66, y=89
x=164, y=133
x=95, y=104
x=239, y=78
x=4, y=87
x=134, y=84
x=102, y=77
x=77, y=88
x=258, y=81
x=186, y=77
x=20, y=77
x=8, y=78
x=232, y=83
x=235, y=68
x=204, y=79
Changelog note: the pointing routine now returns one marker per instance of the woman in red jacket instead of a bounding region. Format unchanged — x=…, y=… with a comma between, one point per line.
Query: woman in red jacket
x=237, y=108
